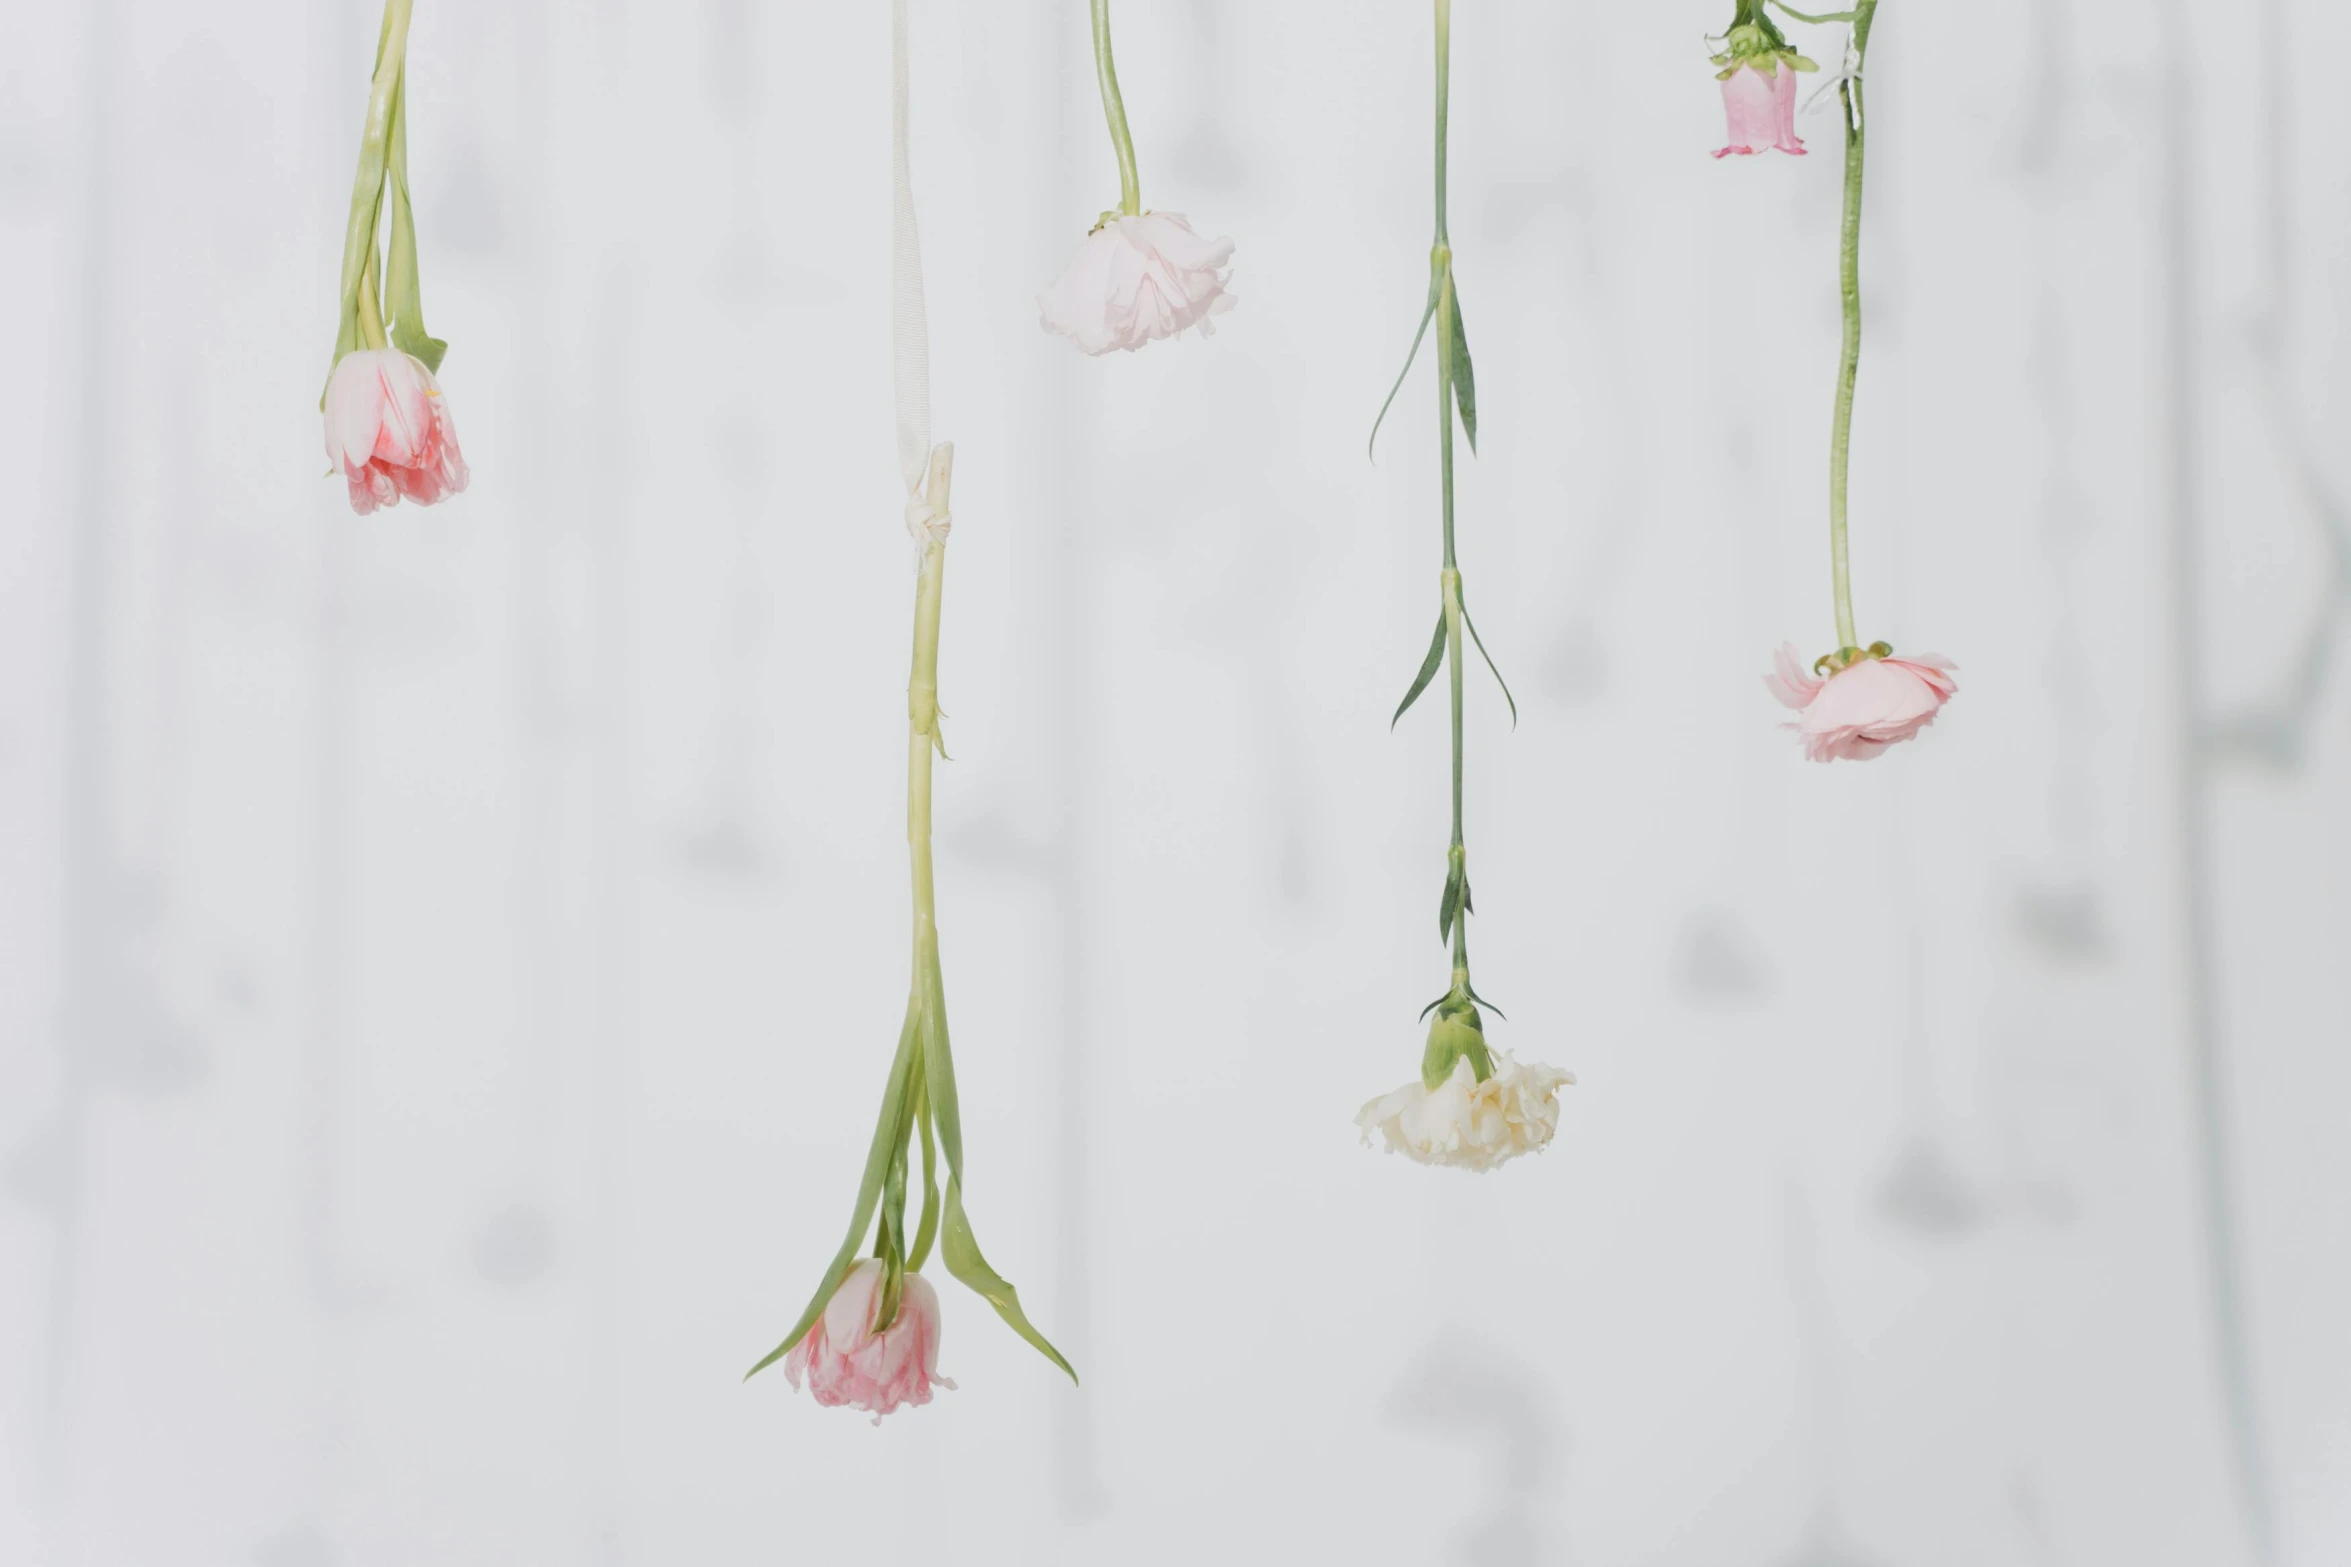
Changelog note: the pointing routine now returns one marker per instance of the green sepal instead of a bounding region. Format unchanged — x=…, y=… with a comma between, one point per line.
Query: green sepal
x=1489, y=658
x=403, y=291
x=1428, y=313
x=957, y=1245
x=962, y=1252
x=1456, y=1033
x=1465, y=382
x=886, y=1142
x=1428, y=672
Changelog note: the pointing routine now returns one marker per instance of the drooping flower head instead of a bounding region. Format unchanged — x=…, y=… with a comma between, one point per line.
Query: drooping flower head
x=846, y=1362
x=1473, y=1108
x=388, y=430
x=1758, y=76
x=1138, y=279
x=1855, y=703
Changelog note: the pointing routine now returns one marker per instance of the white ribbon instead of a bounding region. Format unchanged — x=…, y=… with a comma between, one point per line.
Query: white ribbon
x=909, y=329
x=1849, y=72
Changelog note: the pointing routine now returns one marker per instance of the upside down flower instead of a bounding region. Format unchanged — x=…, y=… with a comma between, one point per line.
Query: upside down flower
x=843, y=1359
x=389, y=432
x=1136, y=280
x=1758, y=79
x=1867, y=700
x=1473, y=1108
x=1760, y=103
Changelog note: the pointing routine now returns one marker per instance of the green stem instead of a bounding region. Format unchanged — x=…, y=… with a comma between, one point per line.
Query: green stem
x=1130, y=183
x=1444, y=97
x=922, y=712
x=1849, y=280
x=367, y=191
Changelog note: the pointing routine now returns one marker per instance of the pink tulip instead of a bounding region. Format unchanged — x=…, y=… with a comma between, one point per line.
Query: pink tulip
x=846, y=1362
x=1859, y=710
x=1135, y=280
x=1762, y=110
x=388, y=429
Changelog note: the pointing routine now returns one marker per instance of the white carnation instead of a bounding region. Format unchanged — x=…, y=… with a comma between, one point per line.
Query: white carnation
x=1466, y=1123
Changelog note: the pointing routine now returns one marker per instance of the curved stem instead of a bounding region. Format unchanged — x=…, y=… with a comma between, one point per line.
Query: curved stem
x=1130, y=183
x=367, y=189
x=1849, y=284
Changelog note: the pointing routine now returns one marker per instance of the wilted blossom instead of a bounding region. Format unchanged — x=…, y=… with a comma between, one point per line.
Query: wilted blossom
x=1138, y=279
x=388, y=430
x=1468, y=1124
x=846, y=1362
x=1759, y=98
x=1856, y=712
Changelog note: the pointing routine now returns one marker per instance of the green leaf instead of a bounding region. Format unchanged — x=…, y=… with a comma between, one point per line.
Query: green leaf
x=928, y=1230
x=1427, y=314
x=962, y=1252
x=403, y=291
x=1449, y=907
x=1465, y=382
x=1489, y=658
x=1428, y=672
x=888, y=1135
x=957, y=1244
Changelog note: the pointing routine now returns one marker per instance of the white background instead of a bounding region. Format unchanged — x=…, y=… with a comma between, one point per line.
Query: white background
x=449, y=959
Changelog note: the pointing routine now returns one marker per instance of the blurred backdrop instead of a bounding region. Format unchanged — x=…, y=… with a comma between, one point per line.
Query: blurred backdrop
x=448, y=960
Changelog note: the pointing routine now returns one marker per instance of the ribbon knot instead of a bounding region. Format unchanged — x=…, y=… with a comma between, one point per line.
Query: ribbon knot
x=923, y=525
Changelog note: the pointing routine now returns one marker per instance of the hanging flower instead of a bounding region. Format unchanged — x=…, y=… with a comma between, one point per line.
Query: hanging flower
x=388, y=430
x=1867, y=700
x=1138, y=279
x=1468, y=1123
x=1760, y=101
x=846, y=1362
x=1758, y=79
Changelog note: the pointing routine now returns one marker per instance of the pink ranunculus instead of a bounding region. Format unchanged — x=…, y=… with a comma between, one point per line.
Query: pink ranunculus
x=846, y=1362
x=1762, y=110
x=1861, y=709
x=388, y=429
x=1135, y=280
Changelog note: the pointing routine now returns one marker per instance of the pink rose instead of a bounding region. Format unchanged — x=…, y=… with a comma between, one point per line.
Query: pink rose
x=1859, y=710
x=846, y=1362
x=388, y=429
x=1762, y=110
x=1135, y=280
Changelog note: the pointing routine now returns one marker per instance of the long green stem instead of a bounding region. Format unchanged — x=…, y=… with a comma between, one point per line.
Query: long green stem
x=1130, y=183
x=1849, y=367
x=1457, y=850
x=922, y=715
x=367, y=190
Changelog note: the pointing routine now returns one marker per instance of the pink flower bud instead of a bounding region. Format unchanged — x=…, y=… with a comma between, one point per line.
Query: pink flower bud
x=846, y=1362
x=1863, y=708
x=388, y=429
x=1135, y=280
x=1762, y=109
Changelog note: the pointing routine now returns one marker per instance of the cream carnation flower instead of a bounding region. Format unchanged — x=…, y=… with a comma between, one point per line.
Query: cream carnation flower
x=1466, y=1123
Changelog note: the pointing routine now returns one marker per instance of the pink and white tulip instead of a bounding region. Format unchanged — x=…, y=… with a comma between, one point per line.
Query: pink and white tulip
x=1136, y=280
x=388, y=430
x=1761, y=109
x=1858, y=711
x=846, y=1362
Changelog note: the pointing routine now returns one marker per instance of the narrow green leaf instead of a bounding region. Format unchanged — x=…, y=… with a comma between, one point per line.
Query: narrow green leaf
x=1489, y=658
x=403, y=290
x=928, y=1230
x=1449, y=906
x=962, y=1251
x=1465, y=384
x=1428, y=314
x=1428, y=672
x=886, y=1141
